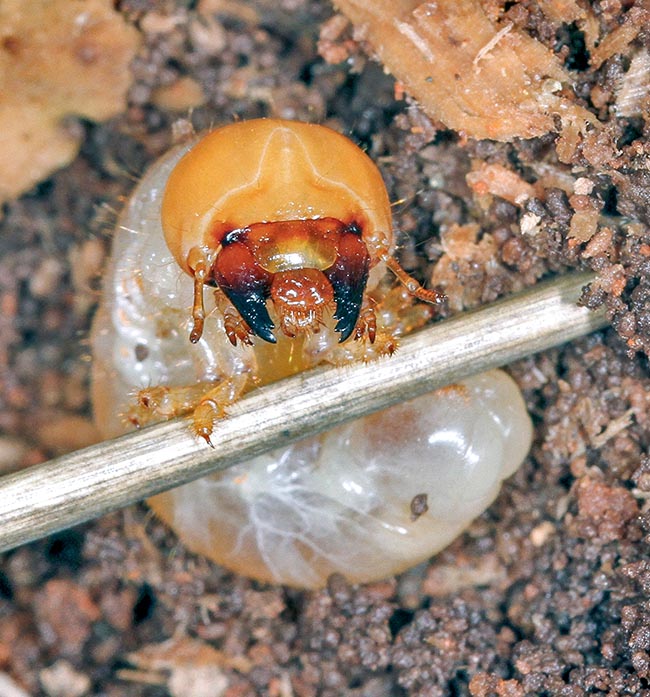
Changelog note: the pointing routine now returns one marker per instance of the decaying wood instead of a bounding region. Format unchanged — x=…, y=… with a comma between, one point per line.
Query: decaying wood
x=473, y=74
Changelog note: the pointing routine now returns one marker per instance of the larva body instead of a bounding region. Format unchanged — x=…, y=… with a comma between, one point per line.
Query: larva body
x=340, y=502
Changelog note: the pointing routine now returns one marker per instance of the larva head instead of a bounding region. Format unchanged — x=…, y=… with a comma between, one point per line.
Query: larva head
x=280, y=210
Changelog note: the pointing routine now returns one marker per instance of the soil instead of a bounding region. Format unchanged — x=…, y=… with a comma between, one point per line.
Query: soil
x=547, y=592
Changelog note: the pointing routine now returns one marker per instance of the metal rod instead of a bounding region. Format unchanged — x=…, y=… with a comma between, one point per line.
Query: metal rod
x=110, y=475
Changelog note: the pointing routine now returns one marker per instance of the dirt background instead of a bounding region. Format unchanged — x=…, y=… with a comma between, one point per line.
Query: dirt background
x=547, y=592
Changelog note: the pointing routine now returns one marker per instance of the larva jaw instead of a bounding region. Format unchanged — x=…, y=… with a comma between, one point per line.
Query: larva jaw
x=247, y=285
x=348, y=276
x=303, y=266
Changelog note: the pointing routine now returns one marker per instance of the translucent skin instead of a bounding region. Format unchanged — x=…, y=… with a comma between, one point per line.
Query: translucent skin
x=338, y=502
x=341, y=502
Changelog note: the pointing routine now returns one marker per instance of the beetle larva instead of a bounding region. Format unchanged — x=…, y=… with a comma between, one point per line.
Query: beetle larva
x=339, y=502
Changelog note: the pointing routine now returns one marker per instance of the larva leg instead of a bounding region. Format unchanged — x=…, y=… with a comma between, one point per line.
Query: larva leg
x=433, y=297
x=367, y=322
x=199, y=262
x=162, y=402
x=213, y=404
x=385, y=345
x=198, y=311
x=374, y=332
x=397, y=311
x=393, y=315
x=235, y=325
x=207, y=401
x=397, y=315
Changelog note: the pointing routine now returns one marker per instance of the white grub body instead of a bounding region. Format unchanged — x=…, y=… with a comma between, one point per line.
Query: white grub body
x=339, y=502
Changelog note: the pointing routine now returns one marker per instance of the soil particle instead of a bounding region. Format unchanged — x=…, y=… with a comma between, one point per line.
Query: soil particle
x=607, y=509
x=64, y=614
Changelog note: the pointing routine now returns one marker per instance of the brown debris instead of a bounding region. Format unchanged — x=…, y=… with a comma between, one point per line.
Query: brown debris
x=609, y=509
x=486, y=685
x=560, y=12
x=331, y=46
x=445, y=579
x=62, y=680
x=461, y=270
x=584, y=222
x=633, y=88
x=419, y=506
x=187, y=667
x=182, y=95
x=65, y=614
x=56, y=59
x=497, y=180
x=483, y=79
x=619, y=39
x=10, y=688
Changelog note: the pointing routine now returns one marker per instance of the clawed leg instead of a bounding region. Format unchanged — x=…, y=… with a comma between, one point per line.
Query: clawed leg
x=207, y=401
x=367, y=323
x=433, y=297
x=385, y=316
x=198, y=311
x=200, y=262
x=235, y=325
x=162, y=403
x=213, y=404
x=395, y=314
x=397, y=310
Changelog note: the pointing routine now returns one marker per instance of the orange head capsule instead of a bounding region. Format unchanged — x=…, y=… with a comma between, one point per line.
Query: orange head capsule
x=283, y=211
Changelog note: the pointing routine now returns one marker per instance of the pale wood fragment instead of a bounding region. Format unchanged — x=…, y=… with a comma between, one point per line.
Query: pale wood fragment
x=468, y=72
